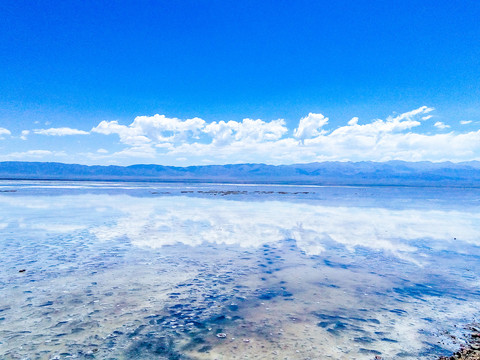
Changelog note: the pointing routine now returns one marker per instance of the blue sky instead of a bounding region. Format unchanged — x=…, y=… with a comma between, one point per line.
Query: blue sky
x=239, y=81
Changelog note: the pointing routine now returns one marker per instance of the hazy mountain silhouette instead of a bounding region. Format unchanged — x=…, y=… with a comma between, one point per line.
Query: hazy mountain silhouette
x=324, y=173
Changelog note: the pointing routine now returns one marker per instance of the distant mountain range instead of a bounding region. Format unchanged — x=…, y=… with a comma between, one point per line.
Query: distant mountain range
x=324, y=173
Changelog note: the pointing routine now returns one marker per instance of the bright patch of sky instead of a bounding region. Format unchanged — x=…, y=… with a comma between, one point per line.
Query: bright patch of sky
x=230, y=82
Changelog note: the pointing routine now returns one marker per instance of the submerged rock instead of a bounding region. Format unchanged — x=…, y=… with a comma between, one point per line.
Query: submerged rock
x=471, y=351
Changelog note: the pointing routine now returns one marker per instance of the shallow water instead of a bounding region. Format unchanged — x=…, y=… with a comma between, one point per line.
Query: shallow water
x=142, y=271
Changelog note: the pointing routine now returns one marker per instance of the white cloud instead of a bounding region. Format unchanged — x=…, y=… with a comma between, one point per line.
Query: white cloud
x=164, y=140
x=4, y=131
x=141, y=152
x=310, y=126
x=161, y=128
x=33, y=154
x=248, y=131
x=421, y=110
x=128, y=135
x=353, y=121
x=24, y=134
x=60, y=131
x=168, y=139
x=441, y=125
x=147, y=129
x=465, y=122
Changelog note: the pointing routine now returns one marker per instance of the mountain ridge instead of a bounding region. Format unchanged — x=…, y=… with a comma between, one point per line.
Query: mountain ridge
x=319, y=173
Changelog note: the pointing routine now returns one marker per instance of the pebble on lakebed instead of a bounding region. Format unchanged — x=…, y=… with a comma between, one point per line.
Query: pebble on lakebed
x=471, y=351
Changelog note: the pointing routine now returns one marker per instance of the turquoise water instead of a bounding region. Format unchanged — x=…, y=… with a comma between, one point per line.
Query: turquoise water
x=181, y=271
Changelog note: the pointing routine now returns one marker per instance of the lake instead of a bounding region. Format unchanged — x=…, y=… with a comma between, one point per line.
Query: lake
x=217, y=271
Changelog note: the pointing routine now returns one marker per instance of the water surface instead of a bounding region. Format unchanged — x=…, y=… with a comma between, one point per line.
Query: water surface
x=182, y=271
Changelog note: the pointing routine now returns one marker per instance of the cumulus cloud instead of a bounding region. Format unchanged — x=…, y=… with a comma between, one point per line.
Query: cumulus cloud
x=310, y=126
x=63, y=131
x=441, y=125
x=164, y=140
x=24, y=134
x=168, y=139
x=465, y=122
x=4, y=131
x=248, y=130
x=128, y=135
x=162, y=128
x=148, y=129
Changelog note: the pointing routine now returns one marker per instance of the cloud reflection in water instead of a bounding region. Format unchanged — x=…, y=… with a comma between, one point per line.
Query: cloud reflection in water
x=192, y=221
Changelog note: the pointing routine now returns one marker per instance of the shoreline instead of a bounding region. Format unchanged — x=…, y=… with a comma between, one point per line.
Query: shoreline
x=471, y=350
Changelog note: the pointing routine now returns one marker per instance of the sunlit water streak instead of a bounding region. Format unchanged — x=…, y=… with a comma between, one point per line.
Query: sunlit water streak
x=141, y=271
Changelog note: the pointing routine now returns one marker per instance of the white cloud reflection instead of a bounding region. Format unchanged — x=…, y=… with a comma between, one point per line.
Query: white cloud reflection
x=160, y=221
x=193, y=221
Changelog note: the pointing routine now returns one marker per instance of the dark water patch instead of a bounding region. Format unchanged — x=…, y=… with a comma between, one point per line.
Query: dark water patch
x=337, y=327
x=388, y=340
x=331, y=318
x=418, y=291
x=369, y=351
x=398, y=312
x=233, y=307
x=137, y=331
x=77, y=330
x=161, y=347
x=48, y=303
x=176, y=307
x=269, y=294
x=205, y=349
x=197, y=324
x=371, y=320
x=194, y=343
x=364, y=340
x=336, y=324
x=434, y=349
x=404, y=354
x=333, y=264
x=60, y=323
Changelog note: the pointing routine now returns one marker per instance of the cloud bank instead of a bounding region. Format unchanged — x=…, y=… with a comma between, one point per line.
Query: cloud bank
x=410, y=136
x=195, y=140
